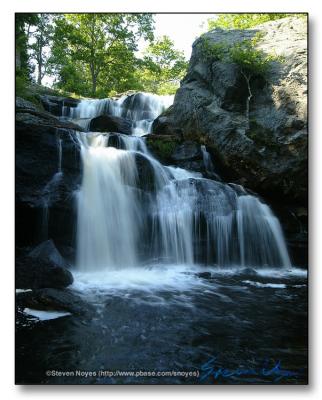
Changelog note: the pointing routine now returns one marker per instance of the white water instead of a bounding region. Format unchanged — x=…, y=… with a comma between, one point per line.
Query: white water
x=140, y=108
x=183, y=220
x=107, y=221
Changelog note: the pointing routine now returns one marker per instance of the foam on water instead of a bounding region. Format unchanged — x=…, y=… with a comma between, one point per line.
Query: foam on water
x=182, y=278
x=45, y=315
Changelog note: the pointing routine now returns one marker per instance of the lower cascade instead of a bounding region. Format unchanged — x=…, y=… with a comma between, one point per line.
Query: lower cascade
x=133, y=210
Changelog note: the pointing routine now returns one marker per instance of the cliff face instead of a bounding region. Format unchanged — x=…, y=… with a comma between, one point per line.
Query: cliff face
x=271, y=156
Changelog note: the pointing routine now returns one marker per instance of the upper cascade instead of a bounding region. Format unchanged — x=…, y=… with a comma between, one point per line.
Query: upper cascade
x=139, y=108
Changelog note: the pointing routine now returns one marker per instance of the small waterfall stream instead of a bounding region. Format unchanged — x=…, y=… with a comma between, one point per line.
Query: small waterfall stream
x=183, y=219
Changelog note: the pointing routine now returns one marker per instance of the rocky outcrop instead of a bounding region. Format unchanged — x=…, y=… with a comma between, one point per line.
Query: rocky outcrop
x=271, y=156
x=108, y=123
x=47, y=251
x=56, y=104
x=55, y=300
x=47, y=174
x=35, y=273
x=172, y=150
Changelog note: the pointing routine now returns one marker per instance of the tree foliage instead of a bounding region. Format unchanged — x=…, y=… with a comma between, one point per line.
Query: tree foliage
x=96, y=55
x=162, y=67
x=243, y=21
x=95, y=52
x=252, y=62
x=23, y=23
x=41, y=38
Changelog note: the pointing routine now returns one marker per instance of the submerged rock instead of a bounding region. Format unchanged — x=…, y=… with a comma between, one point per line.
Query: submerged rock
x=55, y=300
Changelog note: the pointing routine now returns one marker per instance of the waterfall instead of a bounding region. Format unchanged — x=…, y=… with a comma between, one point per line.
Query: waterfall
x=107, y=222
x=180, y=218
x=209, y=166
x=140, y=108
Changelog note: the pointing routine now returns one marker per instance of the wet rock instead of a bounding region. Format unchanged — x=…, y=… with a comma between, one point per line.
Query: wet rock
x=55, y=300
x=55, y=104
x=204, y=275
x=108, y=123
x=187, y=151
x=47, y=174
x=162, y=146
x=35, y=273
x=47, y=251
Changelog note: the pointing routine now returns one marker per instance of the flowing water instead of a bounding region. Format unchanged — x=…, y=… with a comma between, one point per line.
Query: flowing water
x=180, y=268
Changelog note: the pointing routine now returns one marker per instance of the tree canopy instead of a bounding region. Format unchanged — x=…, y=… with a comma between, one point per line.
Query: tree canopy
x=97, y=55
x=243, y=21
x=162, y=67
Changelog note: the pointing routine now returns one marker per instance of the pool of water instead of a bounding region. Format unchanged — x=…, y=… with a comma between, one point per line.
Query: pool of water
x=174, y=325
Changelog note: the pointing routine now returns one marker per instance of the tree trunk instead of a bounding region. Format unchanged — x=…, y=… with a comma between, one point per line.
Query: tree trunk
x=40, y=59
x=250, y=95
x=94, y=86
x=39, y=77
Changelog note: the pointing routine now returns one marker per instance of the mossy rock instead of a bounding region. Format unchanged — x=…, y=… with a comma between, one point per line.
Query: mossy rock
x=162, y=146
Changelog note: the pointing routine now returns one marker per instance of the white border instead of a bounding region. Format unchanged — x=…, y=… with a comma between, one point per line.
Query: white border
x=8, y=390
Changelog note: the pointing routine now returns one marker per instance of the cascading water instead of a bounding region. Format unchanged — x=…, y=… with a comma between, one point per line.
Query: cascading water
x=141, y=109
x=182, y=218
x=107, y=224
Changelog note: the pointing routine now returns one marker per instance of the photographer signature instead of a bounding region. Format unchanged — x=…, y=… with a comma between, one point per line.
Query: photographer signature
x=211, y=368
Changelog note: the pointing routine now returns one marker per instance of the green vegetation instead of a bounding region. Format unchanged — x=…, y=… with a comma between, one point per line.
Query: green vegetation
x=162, y=68
x=164, y=147
x=252, y=62
x=244, y=21
x=96, y=55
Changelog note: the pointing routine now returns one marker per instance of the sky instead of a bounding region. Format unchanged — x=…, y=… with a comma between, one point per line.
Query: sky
x=183, y=29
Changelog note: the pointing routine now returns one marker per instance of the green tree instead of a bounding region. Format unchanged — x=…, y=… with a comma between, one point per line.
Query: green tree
x=162, y=67
x=23, y=24
x=97, y=49
x=252, y=62
x=41, y=41
x=243, y=21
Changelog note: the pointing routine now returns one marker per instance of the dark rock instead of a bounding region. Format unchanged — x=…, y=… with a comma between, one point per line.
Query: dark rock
x=41, y=188
x=47, y=251
x=34, y=273
x=107, y=123
x=146, y=173
x=55, y=104
x=163, y=126
x=271, y=156
x=294, y=221
x=55, y=300
x=162, y=146
x=28, y=115
x=23, y=105
x=187, y=151
x=204, y=275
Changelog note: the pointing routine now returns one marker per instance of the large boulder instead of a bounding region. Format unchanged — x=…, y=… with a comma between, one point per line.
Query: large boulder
x=108, y=123
x=271, y=156
x=35, y=273
x=47, y=251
